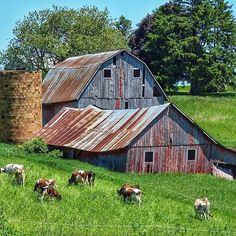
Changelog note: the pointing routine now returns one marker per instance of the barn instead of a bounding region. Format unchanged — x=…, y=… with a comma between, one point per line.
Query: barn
x=156, y=139
x=108, y=80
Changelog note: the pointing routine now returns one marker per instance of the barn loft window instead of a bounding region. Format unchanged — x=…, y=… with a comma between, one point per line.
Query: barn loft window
x=107, y=73
x=191, y=155
x=114, y=61
x=126, y=105
x=136, y=73
x=148, y=156
x=156, y=92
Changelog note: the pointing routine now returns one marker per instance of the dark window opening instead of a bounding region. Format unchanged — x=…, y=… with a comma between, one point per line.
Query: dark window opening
x=114, y=61
x=143, y=91
x=171, y=141
x=156, y=91
x=143, y=75
x=191, y=155
x=126, y=105
x=136, y=73
x=122, y=54
x=148, y=156
x=107, y=73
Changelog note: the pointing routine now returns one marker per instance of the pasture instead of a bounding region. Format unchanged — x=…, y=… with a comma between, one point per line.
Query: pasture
x=215, y=113
x=166, y=208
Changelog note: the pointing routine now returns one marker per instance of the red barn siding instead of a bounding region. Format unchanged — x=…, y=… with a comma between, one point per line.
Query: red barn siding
x=169, y=137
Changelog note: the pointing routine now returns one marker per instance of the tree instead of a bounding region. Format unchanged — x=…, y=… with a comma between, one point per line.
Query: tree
x=124, y=25
x=194, y=41
x=47, y=37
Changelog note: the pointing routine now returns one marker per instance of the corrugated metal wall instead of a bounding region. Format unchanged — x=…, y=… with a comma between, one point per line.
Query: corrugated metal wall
x=112, y=161
x=169, y=138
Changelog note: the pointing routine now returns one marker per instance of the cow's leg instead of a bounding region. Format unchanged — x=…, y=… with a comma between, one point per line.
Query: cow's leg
x=43, y=194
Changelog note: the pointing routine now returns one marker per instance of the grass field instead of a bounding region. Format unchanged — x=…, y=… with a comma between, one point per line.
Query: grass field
x=166, y=209
x=216, y=114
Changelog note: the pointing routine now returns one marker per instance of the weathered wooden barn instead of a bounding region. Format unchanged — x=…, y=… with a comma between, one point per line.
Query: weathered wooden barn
x=108, y=80
x=153, y=139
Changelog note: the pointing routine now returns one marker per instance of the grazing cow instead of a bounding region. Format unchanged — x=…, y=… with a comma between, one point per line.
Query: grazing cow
x=20, y=176
x=83, y=177
x=11, y=168
x=202, y=207
x=47, y=187
x=129, y=192
x=41, y=184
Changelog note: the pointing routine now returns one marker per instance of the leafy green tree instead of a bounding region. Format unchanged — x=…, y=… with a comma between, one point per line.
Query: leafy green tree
x=124, y=25
x=46, y=37
x=191, y=40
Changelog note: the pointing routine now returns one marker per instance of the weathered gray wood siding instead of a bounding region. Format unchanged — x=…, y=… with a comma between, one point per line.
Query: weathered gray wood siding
x=50, y=110
x=112, y=93
x=170, y=137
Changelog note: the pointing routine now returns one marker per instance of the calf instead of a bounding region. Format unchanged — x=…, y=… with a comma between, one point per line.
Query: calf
x=81, y=176
x=51, y=192
x=11, y=168
x=202, y=207
x=129, y=192
x=20, y=176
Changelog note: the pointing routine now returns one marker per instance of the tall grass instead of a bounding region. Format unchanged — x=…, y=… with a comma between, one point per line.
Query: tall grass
x=216, y=114
x=166, y=209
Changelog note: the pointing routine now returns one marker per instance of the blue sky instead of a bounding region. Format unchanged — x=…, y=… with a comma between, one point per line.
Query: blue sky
x=13, y=10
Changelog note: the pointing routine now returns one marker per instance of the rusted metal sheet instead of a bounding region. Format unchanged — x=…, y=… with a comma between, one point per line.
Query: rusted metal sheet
x=95, y=130
x=66, y=81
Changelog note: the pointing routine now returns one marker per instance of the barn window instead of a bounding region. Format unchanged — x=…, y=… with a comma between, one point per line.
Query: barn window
x=114, y=61
x=107, y=73
x=126, y=105
x=148, y=156
x=191, y=155
x=136, y=73
x=156, y=91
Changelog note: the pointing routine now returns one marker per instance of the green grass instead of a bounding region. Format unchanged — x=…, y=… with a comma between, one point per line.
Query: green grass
x=166, y=209
x=216, y=114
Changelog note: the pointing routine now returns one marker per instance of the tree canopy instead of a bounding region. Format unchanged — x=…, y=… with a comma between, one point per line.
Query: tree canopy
x=190, y=40
x=46, y=37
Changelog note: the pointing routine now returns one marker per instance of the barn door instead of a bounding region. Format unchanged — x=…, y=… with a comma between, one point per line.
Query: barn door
x=148, y=162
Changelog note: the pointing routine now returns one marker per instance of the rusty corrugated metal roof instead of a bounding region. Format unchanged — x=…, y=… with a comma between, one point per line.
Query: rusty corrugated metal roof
x=95, y=130
x=66, y=81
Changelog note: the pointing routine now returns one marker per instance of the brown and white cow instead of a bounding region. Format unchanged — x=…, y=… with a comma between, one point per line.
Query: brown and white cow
x=47, y=187
x=130, y=192
x=202, y=208
x=83, y=177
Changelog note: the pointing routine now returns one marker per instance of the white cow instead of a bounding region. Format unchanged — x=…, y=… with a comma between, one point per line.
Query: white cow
x=11, y=168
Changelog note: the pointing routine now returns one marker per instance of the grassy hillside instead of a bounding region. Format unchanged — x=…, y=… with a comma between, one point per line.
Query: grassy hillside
x=216, y=114
x=167, y=207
